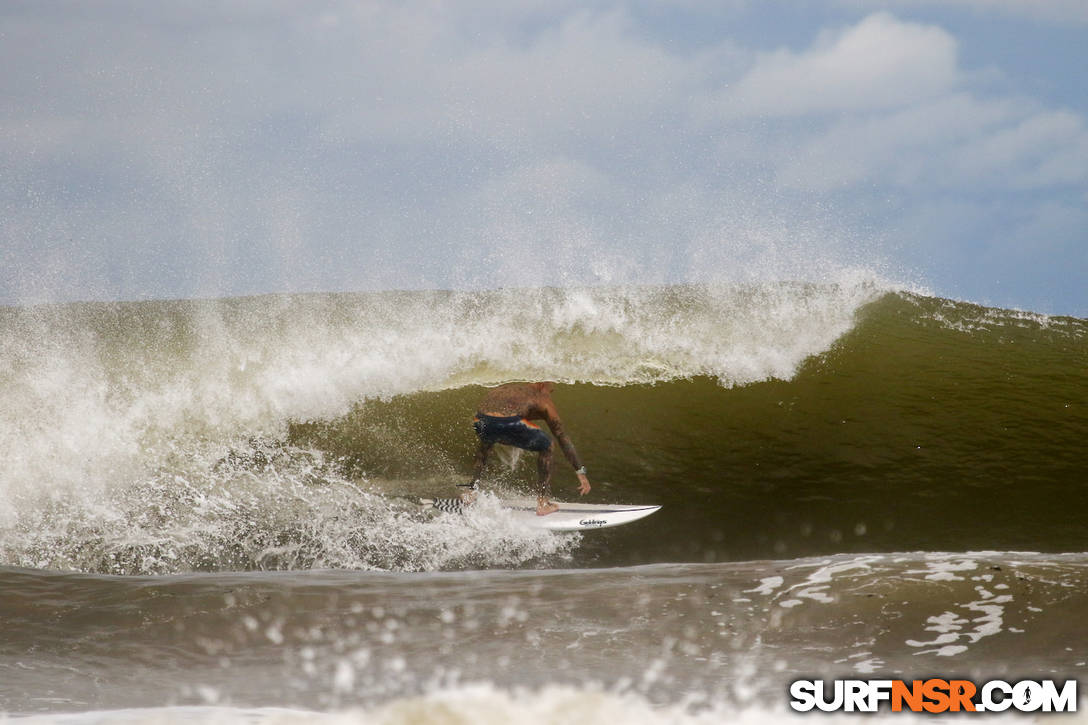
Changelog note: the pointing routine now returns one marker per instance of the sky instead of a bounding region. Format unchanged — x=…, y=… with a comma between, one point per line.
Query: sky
x=164, y=150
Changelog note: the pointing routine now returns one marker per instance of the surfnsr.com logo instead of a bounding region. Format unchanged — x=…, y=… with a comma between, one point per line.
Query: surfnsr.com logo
x=933, y=695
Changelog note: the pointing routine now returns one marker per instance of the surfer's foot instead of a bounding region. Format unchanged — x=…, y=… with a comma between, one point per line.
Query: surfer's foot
x=473, y=486
x=545, y=507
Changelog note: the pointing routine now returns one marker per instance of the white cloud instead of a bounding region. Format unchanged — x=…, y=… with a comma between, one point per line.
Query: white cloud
x=879, y=63
x=569, y=84
x=1057, y=11
x=1045, y=148
x=885, y=102
x=895, y=147
x=956, y=142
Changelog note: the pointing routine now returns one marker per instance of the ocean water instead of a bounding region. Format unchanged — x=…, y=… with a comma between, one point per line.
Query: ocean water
x=207, y=506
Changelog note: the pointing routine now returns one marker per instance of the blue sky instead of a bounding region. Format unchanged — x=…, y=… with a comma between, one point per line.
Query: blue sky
x=175, y=150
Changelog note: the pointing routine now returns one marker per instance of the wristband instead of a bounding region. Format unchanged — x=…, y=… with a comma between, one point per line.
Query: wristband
x=581, y=471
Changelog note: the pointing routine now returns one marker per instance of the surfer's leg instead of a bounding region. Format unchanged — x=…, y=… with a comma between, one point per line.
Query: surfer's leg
x=481, y=459
x=544, y=471
x=544, y=474
x=478, y=469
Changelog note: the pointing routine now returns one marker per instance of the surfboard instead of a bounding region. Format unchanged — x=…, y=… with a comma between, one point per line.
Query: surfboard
x=569, y=517
x=578, y=516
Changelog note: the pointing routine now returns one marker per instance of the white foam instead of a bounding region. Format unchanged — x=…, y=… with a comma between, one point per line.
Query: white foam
x=940, y=567
x=766, y=586
x=818, y=582
x=293, y=514
x=953, y=636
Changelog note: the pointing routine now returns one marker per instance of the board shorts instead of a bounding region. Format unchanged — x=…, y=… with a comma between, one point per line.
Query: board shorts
x=512, y=431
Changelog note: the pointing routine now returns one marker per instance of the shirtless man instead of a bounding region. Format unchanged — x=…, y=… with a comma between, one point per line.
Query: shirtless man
x=504, y=416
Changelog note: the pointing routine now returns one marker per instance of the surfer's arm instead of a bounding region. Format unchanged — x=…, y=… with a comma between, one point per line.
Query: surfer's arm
x=560, y=434
x=569, y=452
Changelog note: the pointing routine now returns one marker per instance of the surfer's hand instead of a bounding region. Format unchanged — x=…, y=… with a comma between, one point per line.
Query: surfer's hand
x=583, y=484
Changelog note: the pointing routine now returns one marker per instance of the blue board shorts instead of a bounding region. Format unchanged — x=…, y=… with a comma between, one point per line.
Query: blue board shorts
x=512, y=431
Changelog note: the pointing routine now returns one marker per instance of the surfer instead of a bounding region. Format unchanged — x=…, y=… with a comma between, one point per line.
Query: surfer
x=505, y=415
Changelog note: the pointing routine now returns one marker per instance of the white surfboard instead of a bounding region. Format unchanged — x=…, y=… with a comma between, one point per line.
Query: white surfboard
x=569, y=517
x=577, y=516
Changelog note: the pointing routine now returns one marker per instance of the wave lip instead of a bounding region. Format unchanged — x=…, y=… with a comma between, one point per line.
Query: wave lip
x=736, y=334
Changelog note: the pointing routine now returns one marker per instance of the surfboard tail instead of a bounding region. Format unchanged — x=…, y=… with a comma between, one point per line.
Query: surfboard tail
x=446, y=505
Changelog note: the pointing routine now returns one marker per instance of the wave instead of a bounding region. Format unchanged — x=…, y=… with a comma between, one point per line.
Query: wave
x=277, y=432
